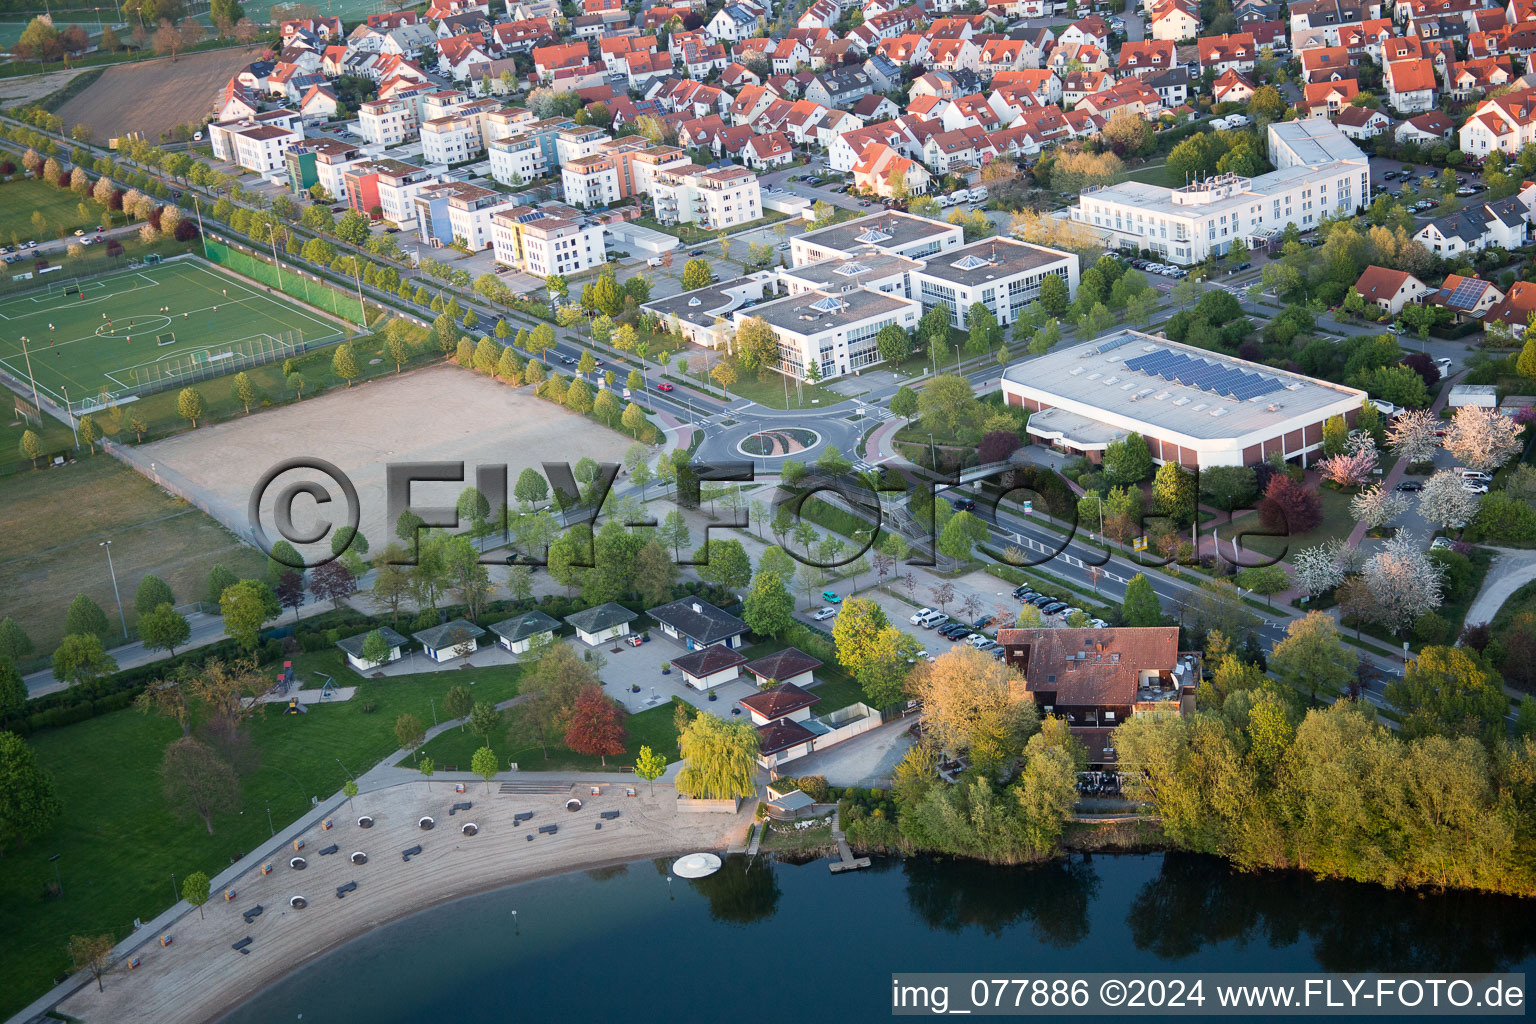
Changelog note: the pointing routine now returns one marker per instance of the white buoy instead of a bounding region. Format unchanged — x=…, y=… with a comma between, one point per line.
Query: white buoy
x=696, y=865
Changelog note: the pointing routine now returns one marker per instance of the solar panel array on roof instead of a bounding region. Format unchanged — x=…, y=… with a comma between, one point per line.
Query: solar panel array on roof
x=1110, y=346
x=1216, y=378
x=1467, y=293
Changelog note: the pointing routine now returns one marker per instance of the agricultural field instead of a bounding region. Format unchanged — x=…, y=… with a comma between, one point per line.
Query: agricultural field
x=156, y=95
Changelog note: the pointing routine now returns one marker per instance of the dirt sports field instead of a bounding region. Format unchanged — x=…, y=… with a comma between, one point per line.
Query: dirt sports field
x=437, y=414
x=155, y=95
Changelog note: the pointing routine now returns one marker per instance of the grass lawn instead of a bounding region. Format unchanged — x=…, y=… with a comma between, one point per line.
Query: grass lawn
x=56, y=519
x=652, y=728
x=691, y=234
x=1337, y=522
x=58, y=207
x=916, y=432
x=770, y=392
x=1522, y=600
x=1159, y=174
x=118, y=845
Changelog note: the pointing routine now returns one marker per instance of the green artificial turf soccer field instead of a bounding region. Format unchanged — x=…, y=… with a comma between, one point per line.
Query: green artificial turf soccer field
x=144, y=327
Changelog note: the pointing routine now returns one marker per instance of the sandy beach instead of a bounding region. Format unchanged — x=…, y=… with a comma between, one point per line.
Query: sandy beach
x=199, y=977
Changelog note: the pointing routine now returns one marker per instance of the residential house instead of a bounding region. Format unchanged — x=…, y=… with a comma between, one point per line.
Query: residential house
x=1173, y=20
x=1468, y=298
x=1502, y=222
x=1410, y=85
x=704, y=668
x=455, y=639
x=766, y=152
x=1391, y=290
x=1147, y=57
x=1232, y=87
x=521, y=632
x=789, y=667
x=1362, y=122
x=1434, y=126
x=352, y=647
x=697, y=624
x=1232, y=52
x=1327, y=98
x=602, y=623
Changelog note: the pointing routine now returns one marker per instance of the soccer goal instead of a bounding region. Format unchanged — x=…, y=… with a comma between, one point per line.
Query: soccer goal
x=69, y=286
x=168, y=338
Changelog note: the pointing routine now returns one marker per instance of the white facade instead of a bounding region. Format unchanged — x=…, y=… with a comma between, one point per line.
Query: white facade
x=472, y=222
x=712, y=199
x=1001, y=274
x=542, y=243
x=450, y=140
x=261, y=149
x=835, y=332
x=590, y=181
x=516, y=157
x=386, y=122
x=1320, y=173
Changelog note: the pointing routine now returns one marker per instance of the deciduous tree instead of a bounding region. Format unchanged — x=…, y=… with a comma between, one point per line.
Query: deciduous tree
x=197, y=779
x=28, y=806
x=721, y=759
x=597, y=725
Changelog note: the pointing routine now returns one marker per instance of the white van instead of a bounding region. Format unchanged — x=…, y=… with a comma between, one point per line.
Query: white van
x=959, y=195
x=979, y=193
x=933, y=619
x=654, y=261
x=1474, y=474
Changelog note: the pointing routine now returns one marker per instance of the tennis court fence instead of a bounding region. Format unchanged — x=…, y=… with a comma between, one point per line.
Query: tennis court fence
x=285, y=279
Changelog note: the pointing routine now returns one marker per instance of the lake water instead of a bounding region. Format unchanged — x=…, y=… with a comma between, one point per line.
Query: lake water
x=624, y=944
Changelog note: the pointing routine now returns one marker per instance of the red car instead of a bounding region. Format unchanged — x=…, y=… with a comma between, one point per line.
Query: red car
x=663, y=387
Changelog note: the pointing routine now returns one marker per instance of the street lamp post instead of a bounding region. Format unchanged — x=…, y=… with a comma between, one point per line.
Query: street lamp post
x=271, y=827
x=113, y=572
x=59, y=881
x=70, y=412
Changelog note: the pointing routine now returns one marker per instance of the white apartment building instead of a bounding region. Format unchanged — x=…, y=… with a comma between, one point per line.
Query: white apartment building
x=516, y=159
x=590, y=181
x=578, y=141
x=1316, y=177
x=471, y=210
x=717, y=199
x=1000, y=273
x=833, y=330
x=552, y=239
x=450, y=140
x=386, y=122
x=398, y=184
x=257, y=143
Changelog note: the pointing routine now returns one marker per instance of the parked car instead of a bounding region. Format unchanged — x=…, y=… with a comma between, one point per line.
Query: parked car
x=1053, y=607
x=1439, y=543
x=982, y=623
x=697, y=252
x=917, y=617
x=831, y=597
x=1098, y=624
x=1444, y=365
x=1040, y=600
x=1474, y=486
x=1409, y=486
x=1021, y=592
x=963, y=504
x=824, y=614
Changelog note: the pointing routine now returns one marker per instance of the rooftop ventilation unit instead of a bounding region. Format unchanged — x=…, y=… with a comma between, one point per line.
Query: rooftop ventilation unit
x=1111, y=380
x=1076, y=370
x=1181, y=401
x=1199, y=407
x=1095, y=375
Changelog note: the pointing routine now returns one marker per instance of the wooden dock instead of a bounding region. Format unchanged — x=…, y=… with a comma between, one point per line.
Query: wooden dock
x=846, y=860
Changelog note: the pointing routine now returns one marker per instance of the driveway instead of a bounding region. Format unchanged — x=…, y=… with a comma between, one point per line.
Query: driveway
x=1511, y=570
x=867, y=760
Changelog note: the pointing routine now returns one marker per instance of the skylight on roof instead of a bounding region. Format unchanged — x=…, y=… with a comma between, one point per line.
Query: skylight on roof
x=830, y=304
x=850, y=269
x=970, y=262
x=873, y=236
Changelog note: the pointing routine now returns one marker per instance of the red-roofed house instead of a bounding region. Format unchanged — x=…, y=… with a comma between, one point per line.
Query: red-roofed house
x=1232, y=87
x=1326, y=99
x=1147, y=57
x=1390, y=289
x=1236, y=51
x=1434, y=126
x=1410, y=85
x=1362, y=122
x=880, y=165
x=765, y=152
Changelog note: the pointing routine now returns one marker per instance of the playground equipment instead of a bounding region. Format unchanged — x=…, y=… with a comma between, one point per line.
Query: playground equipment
x=165, y=940
x=298, y=902
x=298, y=863
x=425, y=824
x=359, y=857
x=365, y=822
x=469, y=829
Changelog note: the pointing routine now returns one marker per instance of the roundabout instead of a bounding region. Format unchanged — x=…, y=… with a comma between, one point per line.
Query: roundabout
x=155, y=323
x=777, y=443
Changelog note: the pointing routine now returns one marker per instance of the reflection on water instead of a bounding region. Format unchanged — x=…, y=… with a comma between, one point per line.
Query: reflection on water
x=1196, y=902
x=616, y=943
x=1051, y=899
